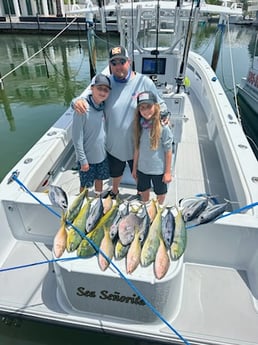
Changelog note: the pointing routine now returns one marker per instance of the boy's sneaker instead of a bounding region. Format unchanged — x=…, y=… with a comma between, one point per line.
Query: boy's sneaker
x=111, y=193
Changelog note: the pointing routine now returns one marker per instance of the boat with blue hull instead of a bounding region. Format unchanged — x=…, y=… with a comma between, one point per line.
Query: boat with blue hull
x=209, y=292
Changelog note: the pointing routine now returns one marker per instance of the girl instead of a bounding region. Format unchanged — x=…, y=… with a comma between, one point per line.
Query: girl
x=153, y=148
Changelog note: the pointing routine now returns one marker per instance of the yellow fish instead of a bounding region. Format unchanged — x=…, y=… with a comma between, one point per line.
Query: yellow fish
x=178, y=245
x=59, y=244
x=133, y=256
x=152, y=210
x=152, y=242
x=107, y=247
x=162, y=262
x=120, y=250
x=74, y=209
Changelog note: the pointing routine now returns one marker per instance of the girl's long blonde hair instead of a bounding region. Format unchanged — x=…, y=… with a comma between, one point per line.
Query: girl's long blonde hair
x=155, y=129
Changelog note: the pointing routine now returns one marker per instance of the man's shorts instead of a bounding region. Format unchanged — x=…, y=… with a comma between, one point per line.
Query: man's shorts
x=117, y=167
x=145, y=182
x=99, y=171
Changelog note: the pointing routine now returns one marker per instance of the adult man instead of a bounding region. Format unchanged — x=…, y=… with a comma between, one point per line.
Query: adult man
x=119, y=111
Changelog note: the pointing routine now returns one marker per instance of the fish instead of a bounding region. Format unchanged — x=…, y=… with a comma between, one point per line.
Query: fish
x=178, y=245
x=60, y=238
x=120, y=250
x=76, y=205
x=107, y=204
x=113, y=230
x=89, y=248
x=144, y=225
x=194, y=209
x=162, y=261
x=107, y=247
x=95, y=214
x=168, y=226
x=73, y=240
x=133, y=256
x=126, y=228
x=80, y=220
x=152, y=209
x=85, y=248
x=212, y=212
x=58, y=197
x=151, y=244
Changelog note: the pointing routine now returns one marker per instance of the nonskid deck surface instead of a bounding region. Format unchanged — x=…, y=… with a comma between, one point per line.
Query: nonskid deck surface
x=222, y=317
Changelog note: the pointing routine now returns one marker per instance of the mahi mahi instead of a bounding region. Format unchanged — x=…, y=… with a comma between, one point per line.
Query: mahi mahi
x=151, y=244
x=76, y=205
x=178, y=245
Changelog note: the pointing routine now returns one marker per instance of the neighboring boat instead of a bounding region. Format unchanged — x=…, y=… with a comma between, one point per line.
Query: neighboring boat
x=248, y=88
x=247, y=94
x=209, y=294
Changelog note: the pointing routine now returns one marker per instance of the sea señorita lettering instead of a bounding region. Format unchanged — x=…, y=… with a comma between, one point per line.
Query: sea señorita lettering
x=117, y=297
x=113, y=297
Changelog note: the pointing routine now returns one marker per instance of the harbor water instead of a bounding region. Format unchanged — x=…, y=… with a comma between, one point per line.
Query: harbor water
x=35, y=95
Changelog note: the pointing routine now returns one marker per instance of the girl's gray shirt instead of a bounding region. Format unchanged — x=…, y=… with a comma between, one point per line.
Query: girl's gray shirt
x=152, y=162
x=88, y=134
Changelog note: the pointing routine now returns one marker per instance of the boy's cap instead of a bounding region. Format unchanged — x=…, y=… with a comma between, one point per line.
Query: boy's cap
x=101, y=79
x=118, y=52
x=146, y=97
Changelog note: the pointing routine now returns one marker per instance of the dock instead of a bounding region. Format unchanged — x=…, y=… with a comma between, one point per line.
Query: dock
x=50, y=24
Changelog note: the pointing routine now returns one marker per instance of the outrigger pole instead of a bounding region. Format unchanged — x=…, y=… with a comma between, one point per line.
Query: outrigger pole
x=180, y=78
x=90, y=29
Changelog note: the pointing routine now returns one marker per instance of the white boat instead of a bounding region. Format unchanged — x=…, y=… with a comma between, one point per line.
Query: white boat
x=210, y=294
x=248, y=88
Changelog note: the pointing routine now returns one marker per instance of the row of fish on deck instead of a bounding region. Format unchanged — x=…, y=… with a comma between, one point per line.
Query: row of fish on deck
x=141, y=234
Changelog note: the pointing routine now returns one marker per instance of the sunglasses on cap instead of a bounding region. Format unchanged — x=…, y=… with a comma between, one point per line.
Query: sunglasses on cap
x=118, y=62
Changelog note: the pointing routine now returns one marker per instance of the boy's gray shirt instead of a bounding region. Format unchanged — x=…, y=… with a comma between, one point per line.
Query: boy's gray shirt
x=88, y=134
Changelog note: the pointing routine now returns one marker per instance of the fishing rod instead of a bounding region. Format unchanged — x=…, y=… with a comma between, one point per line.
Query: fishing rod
x=180, y=78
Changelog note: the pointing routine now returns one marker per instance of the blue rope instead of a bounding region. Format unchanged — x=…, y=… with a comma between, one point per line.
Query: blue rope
x=138, y=292
x=38, y=263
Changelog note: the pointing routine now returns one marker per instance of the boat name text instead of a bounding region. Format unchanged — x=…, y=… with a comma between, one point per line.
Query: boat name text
x=106, y=295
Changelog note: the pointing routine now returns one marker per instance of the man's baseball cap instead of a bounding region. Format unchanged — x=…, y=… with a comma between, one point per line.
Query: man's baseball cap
x=146, y=97
x=118, y=52
x=101, y=79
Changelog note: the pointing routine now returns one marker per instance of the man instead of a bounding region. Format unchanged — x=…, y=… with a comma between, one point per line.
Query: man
x=119, y=111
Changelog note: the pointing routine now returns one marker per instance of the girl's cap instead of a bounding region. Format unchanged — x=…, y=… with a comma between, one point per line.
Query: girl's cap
x=146, y=97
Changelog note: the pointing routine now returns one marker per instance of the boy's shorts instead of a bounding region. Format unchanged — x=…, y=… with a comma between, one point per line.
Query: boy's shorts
x=99, y=171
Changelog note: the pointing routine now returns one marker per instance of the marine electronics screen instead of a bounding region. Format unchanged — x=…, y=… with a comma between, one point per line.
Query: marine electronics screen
x=153, y=65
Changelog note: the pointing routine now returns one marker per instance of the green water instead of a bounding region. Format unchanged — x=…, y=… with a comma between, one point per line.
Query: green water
x=34, y=97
